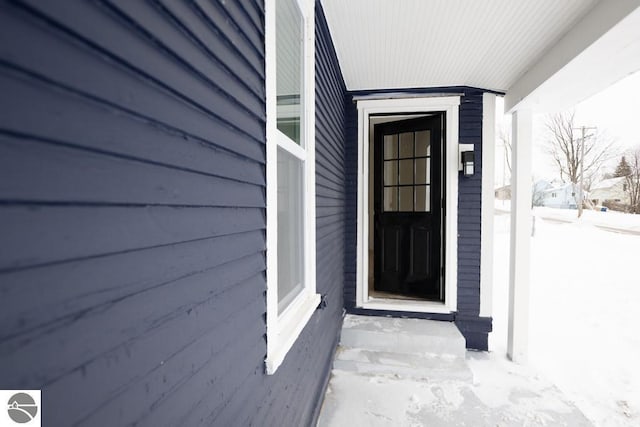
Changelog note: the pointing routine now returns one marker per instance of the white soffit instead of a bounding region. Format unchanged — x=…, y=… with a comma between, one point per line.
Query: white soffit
x=386, y=44
x=597, y=52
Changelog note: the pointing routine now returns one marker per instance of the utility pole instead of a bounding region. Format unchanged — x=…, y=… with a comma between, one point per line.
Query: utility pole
x=581, y=185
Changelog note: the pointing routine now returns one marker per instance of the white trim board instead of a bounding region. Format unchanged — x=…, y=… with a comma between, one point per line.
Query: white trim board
x=427, y=104
x=488, y=170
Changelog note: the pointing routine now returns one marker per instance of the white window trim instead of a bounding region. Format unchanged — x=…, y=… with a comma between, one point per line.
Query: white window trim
x=284, y=329
x=367, y=107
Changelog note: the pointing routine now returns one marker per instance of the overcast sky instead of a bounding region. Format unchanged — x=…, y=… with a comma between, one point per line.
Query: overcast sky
x=615, y=112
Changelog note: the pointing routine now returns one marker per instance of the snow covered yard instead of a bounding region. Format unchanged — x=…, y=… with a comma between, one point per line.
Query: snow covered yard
x=585, y=299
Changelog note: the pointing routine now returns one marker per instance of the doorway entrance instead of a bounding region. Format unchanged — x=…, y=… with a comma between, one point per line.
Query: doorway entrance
x=407, y=208
x=427, y=281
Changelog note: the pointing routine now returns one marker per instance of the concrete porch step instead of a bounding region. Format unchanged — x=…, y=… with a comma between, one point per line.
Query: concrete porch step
x=410, y=336
x=397, y=372
x=428, y=367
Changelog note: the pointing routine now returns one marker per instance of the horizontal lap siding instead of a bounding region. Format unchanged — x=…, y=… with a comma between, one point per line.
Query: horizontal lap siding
x=330, y=173
x=469, y=195
x=132, y=215
x=473, y=327
x=297, y=389
x=351, y=129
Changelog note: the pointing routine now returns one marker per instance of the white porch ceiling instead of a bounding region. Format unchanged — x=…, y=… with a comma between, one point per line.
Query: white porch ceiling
x=389, y=44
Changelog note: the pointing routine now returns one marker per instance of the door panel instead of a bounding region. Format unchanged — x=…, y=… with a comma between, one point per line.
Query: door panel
x=420, y=252
x=407, y=206
x=391, y=243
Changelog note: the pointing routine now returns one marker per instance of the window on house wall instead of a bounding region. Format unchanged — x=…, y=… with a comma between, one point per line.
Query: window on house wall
x=291, y=296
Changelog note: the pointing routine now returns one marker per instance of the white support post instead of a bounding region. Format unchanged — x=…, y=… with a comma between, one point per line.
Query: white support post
x=519, y=267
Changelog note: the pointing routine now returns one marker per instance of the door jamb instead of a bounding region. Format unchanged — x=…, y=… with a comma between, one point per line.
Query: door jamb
x=367, y=107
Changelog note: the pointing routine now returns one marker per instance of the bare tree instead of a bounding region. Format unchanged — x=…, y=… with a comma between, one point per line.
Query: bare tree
x=564, y=144
x=505, y=137
x=632, y=181
x=537, y=192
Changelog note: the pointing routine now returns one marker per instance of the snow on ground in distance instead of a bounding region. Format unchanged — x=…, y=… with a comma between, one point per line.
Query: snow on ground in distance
x=585, y=299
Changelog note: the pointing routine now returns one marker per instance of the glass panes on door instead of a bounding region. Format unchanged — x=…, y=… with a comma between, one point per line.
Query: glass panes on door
x=407, y=172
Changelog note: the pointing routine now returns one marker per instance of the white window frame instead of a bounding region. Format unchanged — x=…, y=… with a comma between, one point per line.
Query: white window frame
x=284, y=329
x=428, y=104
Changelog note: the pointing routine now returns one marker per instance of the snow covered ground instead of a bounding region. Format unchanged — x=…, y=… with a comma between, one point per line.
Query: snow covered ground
x=414, y=372
x=585, y=306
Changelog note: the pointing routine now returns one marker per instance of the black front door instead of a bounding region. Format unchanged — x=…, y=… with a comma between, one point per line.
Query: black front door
x=408, y=207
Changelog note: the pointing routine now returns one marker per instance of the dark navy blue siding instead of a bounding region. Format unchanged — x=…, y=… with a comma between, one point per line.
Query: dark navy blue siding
x=351, y=233
x=474, y=328
x=132, y=215
x=330, y=167
x=294, y=399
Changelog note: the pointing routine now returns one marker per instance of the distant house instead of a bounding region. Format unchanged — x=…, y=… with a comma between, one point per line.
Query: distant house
x=562, y=196
x=610, y=190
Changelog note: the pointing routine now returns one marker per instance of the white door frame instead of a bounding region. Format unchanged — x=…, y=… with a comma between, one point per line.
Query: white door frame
x=427, y=104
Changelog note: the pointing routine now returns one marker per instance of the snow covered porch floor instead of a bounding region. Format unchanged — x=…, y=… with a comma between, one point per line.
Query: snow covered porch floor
x=409, y=372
